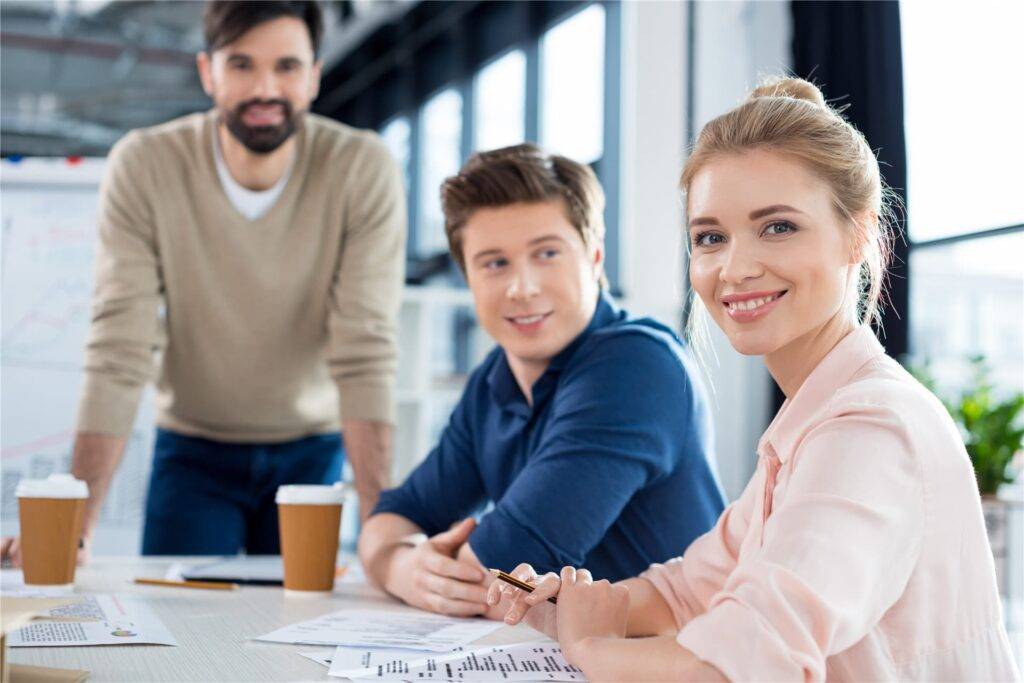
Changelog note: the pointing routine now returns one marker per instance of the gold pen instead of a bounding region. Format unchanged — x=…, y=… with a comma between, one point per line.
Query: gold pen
x=521, y=585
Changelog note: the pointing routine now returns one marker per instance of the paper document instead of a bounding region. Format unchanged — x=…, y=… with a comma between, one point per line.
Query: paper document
x=538, y=661
x=321, y=657
x=96, y=620
x=379, y=628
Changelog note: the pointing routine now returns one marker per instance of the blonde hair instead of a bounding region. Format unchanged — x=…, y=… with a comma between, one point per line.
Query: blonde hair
x=790, y=116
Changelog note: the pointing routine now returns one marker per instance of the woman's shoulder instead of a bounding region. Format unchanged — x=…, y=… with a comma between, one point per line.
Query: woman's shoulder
x=886, y=385
x=883, y=395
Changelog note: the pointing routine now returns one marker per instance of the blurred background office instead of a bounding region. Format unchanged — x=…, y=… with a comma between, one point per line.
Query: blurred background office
x=622, y=86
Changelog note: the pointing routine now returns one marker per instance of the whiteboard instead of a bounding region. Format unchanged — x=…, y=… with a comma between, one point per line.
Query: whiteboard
x=48, y=209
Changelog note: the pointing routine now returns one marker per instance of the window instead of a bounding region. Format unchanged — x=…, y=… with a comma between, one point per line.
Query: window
x=549, y=86
x=500, y=102
x=396, y=136
x=966, y=298
x=572, y=86
x=440, y=157
x=966, y=218
x=963, y=117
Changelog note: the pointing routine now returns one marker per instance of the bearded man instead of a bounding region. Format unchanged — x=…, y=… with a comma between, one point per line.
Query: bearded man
x=250, y=260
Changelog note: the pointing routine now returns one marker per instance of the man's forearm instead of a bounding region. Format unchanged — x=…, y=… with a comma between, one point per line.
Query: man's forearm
x=368, y=448
x=94, y=459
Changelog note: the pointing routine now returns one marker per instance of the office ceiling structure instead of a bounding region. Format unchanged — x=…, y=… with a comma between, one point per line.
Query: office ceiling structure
x=75, y=75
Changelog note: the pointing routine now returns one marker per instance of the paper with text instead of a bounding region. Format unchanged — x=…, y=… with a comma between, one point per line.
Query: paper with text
x=538, y=661
x=106, y=620
x=378, y=628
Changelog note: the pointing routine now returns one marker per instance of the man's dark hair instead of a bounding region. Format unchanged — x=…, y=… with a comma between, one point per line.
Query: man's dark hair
x=225, y=21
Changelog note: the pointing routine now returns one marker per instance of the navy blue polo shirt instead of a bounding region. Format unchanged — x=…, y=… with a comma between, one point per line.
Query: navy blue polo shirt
x=609, y=469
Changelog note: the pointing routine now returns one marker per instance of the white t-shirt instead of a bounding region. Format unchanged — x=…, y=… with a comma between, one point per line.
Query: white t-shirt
x=250, y=203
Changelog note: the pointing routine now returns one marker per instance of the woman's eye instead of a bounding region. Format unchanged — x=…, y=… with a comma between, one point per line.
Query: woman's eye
x=494, y=264
x=708, y=239
x=548, y=253
x=779, y=228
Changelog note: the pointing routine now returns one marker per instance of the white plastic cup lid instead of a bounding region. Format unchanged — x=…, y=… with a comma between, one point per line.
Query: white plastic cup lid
x=54, y=486
x=311, y=494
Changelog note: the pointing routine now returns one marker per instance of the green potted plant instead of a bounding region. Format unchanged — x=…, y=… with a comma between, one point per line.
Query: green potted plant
x=993, y=434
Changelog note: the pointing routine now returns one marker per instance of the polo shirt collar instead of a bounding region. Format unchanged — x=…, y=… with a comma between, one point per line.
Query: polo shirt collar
x=503, y=384
x=834, y=372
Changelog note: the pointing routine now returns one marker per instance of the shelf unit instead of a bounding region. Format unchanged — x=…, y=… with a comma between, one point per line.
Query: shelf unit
x=439, y=343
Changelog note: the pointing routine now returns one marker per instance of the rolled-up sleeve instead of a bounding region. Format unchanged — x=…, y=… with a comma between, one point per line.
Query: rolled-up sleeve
x=125, y=332
x=363, y=351
x=837, y=552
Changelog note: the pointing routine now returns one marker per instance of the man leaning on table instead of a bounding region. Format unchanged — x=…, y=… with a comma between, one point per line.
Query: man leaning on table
x=274, y=239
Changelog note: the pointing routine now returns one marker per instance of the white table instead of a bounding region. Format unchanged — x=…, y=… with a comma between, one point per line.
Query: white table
x=213, y=629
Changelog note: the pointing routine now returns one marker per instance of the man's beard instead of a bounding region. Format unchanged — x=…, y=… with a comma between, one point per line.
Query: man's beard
x=260, y=139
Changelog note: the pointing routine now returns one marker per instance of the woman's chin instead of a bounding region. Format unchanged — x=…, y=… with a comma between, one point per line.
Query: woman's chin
x=751, y=344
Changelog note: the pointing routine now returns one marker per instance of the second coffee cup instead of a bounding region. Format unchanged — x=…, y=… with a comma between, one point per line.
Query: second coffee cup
x=309, y=517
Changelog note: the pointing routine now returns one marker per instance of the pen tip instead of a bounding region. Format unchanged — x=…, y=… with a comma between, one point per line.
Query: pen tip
x=494, y=571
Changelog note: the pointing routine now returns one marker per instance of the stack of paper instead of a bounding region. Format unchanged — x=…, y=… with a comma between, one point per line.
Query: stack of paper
x=389, y=646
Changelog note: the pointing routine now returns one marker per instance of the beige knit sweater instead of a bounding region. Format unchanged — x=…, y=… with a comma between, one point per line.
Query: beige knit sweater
x=265, y=324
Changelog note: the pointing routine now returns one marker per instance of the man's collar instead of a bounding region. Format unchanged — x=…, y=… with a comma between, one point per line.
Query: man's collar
x=605, y=313
x=502, y=382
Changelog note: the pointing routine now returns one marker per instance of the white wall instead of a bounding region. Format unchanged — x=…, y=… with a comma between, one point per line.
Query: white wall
x=736, y=43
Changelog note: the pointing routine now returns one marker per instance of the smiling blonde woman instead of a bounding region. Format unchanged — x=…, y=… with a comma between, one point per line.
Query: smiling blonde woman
x=858, y=550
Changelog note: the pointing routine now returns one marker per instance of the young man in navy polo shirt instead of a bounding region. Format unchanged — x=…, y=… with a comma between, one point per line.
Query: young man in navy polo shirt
x=587, y=430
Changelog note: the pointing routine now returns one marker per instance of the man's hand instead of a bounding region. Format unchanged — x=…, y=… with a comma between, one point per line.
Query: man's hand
x=10, y=551
x=429, y=577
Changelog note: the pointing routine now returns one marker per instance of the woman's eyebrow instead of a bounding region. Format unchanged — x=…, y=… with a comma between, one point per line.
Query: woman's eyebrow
x=774, y=208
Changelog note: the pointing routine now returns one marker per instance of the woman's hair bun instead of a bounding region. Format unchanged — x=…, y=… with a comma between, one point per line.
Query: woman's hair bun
x=794, y=88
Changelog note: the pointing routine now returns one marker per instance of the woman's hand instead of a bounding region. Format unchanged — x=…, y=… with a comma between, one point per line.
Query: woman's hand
x=538, y=612
x=589, y=609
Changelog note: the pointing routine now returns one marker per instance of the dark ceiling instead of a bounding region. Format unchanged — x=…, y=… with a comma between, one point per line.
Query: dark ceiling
x=75, y=75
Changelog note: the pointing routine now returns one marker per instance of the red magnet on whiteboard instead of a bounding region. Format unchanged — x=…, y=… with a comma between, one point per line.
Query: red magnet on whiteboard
x=74, y=161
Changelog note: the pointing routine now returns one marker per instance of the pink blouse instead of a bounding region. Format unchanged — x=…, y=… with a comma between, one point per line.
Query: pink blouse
x=858, y=550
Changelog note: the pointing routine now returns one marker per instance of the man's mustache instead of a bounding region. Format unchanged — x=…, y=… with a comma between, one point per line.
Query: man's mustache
x=284, y=104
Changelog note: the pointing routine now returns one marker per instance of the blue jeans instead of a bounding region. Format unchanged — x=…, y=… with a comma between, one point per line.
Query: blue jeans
x=211, y=498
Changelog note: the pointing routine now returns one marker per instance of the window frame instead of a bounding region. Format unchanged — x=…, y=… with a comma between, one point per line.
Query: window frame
x=471, y=36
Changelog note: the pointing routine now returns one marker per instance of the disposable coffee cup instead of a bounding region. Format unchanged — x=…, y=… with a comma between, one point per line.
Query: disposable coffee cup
x=309, y=518
x=50, y=513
